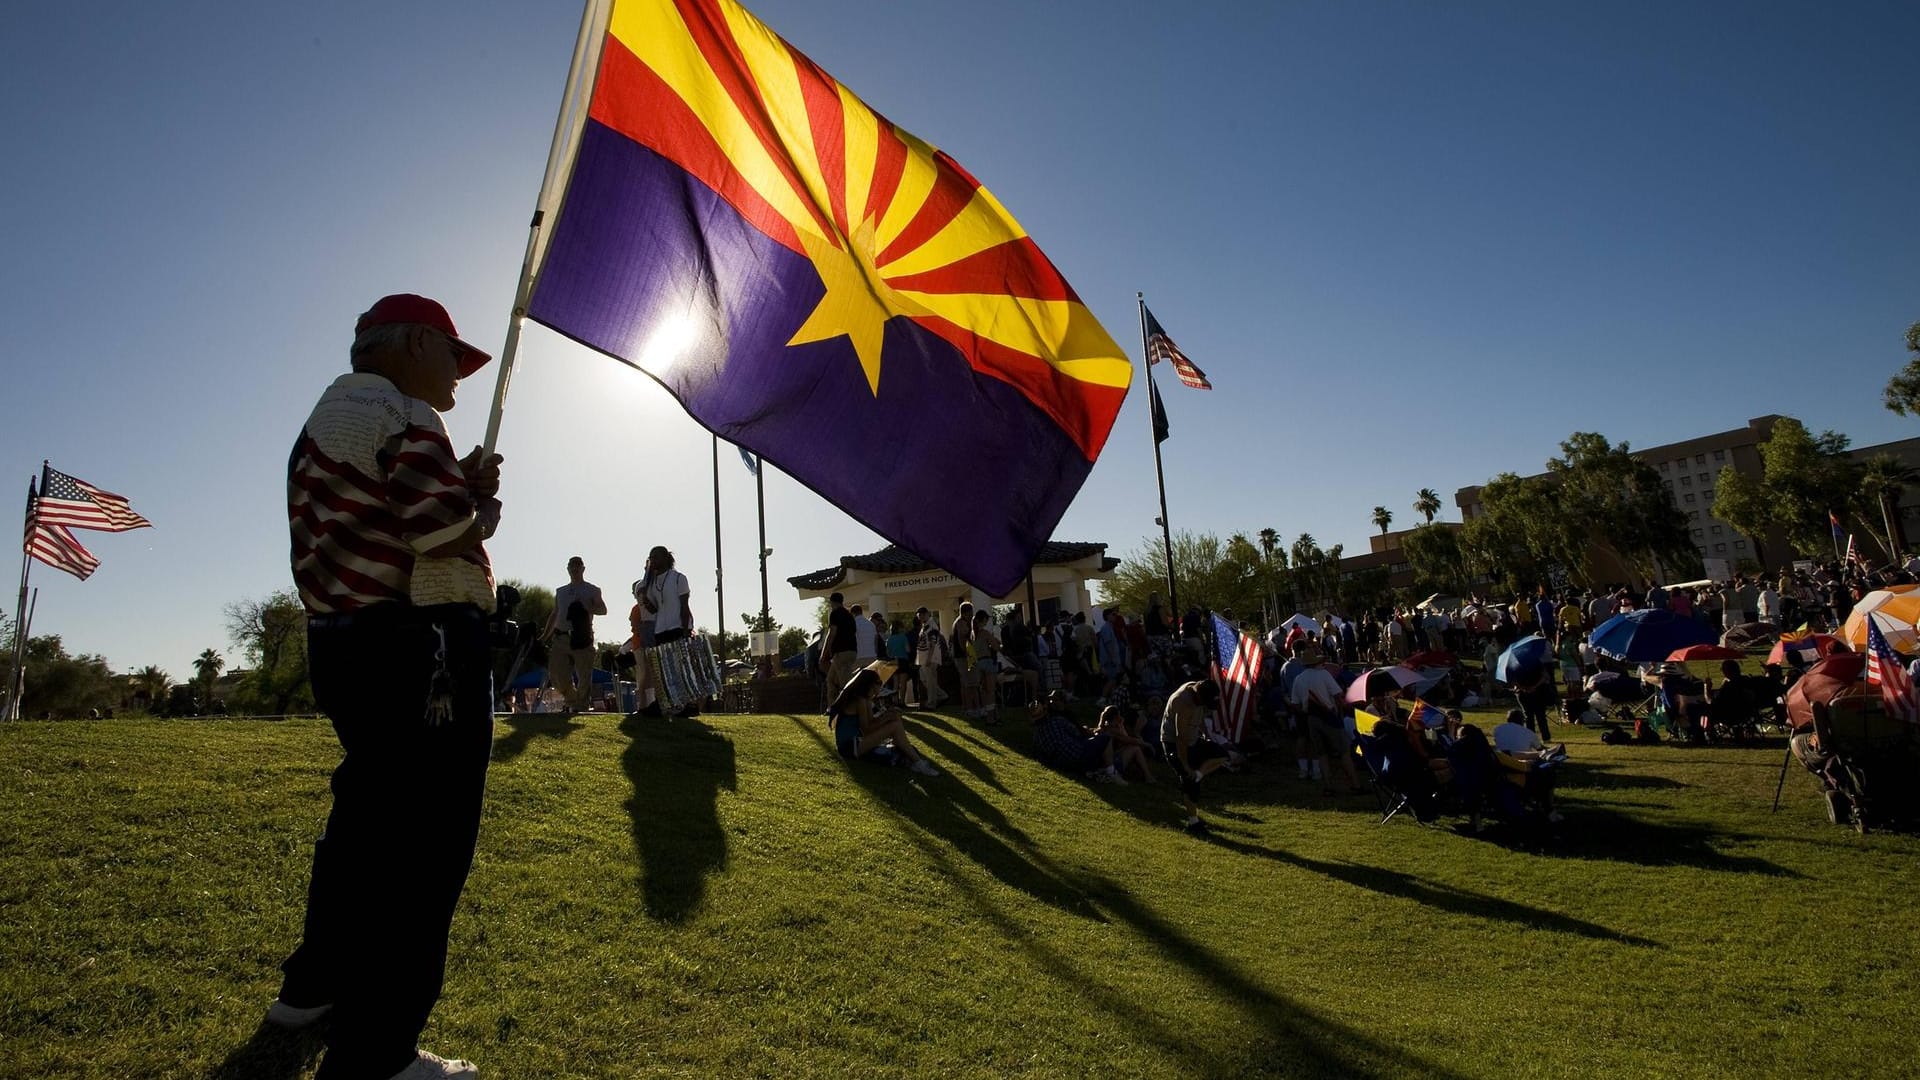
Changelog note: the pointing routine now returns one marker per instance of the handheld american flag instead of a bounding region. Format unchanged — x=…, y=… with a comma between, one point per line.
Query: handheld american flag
x=1885, y=670
x=1161, y=347
x=1237, y=667
x=54, y=545
x=70, y=501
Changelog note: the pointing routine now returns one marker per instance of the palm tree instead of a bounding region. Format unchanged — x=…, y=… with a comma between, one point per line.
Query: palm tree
x=1269, y=539
x=1382, y=517
x=1881, y=484
x=154, y=683
x=206, y=668
x=1426, y=502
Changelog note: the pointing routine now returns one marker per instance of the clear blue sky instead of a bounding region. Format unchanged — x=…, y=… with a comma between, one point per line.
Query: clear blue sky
x=1413, y=245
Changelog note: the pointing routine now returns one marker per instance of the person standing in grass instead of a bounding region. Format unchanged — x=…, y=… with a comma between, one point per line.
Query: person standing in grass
x=388, y=528
x=1182, y=741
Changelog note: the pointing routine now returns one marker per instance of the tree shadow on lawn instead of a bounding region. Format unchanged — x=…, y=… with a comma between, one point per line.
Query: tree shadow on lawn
x=1437, y=895
x=1600, y=834
x=1593, y=774
x=1291, y=1040
x=523, y=728
x=924, y=730
x=272, y=1053
x=677, y=767
x=946, y=808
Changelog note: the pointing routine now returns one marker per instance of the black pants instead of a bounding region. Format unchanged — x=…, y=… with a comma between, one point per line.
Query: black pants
x=389, y=869
x=1536, y=703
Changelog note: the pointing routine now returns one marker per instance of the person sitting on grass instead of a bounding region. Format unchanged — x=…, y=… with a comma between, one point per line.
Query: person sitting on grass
x=865, y=727
x=1184, y=744
x=1524, y=754
x=1129, y=751
x=1061, y=744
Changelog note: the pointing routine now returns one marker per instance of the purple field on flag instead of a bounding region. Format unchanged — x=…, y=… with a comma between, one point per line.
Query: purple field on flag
x=973, y=477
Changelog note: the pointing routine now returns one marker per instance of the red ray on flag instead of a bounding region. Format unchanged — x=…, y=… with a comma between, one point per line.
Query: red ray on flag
x=71, y=501
x=54, y=544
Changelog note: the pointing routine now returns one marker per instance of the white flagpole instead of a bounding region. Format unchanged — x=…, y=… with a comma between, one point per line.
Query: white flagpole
x=19, y=621
x=566, y=131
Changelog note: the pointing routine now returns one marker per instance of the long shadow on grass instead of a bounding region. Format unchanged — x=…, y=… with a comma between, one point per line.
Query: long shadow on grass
x=950, y=810
x=951, y=750
x=677, y=767
x=270, y=1054
x=1600, y=834
x=1436, y=895
x=1290, y=1039
x=523, y=728
x=1592, y=774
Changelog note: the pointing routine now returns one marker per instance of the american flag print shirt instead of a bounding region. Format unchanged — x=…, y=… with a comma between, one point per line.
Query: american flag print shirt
x=372, y=485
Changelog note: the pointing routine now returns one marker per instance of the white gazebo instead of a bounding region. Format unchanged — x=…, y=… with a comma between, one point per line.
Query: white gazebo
x=894, y=581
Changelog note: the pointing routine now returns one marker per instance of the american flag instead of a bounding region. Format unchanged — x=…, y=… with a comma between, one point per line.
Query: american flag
x=54, y=545
x=1853, y=555
x=67, y=500
x=1237, y=667
x=1885, y=670
x=1161, y=347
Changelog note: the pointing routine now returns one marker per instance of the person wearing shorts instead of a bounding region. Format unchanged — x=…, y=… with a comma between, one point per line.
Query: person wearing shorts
x=1182, y=740
x=1317, y=697
x=861, y=726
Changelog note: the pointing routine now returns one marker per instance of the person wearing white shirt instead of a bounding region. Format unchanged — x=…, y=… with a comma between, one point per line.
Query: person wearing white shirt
x=865, y=640
x=1769, y=605
x=1317, y=696
x=664, y=593
x=569, y=635
x=1514, y=736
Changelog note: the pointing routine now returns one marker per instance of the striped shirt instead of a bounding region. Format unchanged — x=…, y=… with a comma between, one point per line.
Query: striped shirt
x=372, y=485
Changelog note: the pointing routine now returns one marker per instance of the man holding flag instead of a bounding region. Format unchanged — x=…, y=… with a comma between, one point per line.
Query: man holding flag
x=388, y=529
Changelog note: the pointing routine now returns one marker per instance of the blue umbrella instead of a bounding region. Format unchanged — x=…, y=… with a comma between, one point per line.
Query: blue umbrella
x=1649, y=635
x=1522, y=659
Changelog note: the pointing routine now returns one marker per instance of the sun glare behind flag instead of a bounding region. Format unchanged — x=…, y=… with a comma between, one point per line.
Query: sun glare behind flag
x=1161, y=347
x=800, y=274
x=1237, y=667
x=72, y=502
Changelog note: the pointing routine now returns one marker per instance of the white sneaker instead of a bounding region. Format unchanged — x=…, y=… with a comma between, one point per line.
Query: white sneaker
x=281, y=1014
x=924, y=767
x=1114, y=772
x=434, y=1067
x=1556, y=817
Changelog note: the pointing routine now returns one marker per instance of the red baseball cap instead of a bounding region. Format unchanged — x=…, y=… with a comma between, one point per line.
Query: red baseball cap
x=408, y=308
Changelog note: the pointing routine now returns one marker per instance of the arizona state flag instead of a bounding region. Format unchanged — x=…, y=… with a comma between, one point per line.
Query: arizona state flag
x=825, y=289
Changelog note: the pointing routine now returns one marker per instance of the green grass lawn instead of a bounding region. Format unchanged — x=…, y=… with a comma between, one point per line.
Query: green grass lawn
x=723, y=898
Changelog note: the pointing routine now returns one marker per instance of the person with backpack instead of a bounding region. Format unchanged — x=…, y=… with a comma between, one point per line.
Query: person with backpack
x=569, y=635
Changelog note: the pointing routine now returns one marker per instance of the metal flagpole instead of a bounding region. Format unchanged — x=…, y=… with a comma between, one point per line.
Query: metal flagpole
x=566, y=127
x=20, y=614
x=719, y=591
x=20, y=673
x=1166, y=529
x=760, y=499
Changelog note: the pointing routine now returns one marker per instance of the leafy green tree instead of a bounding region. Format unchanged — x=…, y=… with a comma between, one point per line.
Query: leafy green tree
x=1804, y=477
x=272, y=633
x=1903, y=390
x=793, y=641
x=1620, y=503
x=1426, y=503
x=60, y=685
x=1209, y=573
x=1382, y=518
x=151, y=684
x=1315, y=573
x=1876, y=501
x=1437, y=558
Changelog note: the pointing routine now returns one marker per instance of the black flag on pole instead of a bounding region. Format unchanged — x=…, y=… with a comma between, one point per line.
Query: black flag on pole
x=1160, y=428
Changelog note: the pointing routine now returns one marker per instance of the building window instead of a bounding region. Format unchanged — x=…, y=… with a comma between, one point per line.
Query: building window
x=1663, y=466
x=1739, y=545
x=1703, y=549
x=1686, y=481
x=1689, y=498
x=1719, y=455
x=1693, y=515
x=1707, y=495
x=1699, y=459
x=1706, y=478
x=1698, y=533
x=1719, y=549
x=1716, y=530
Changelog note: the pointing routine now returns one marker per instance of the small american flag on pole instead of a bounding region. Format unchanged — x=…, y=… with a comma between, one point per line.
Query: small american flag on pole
x=70, y=501
x=1853, y=554
x=1885, y=670
x=54, y=545
x=1237, y=667
x=1161, y=347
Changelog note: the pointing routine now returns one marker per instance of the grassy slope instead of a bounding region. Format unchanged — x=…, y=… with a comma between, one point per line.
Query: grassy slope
x=724, y=898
